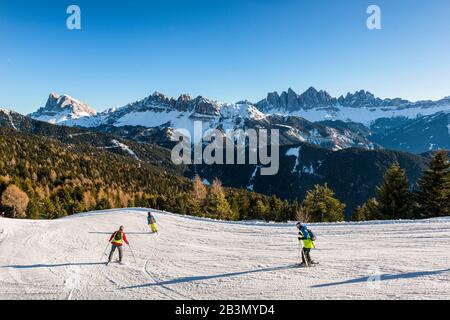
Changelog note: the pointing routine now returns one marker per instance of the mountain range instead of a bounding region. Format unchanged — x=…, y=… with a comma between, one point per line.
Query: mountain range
x=354, y=120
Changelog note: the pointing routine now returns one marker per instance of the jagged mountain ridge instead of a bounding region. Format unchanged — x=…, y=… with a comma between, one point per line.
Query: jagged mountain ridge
x=361, y=106
x=290, y=101
x=165, y=114
x=314, y=117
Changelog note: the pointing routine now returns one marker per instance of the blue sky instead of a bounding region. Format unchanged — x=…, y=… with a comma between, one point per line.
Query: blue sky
x=227, y=50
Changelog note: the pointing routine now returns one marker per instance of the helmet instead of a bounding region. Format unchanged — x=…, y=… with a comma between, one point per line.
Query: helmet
x=299, y=224
x=121, y=228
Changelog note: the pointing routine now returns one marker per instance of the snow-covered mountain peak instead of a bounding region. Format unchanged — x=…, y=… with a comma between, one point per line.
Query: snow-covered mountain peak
x=57, y=102
x=4, y=110
x=205, y=106
x=242, y=110
x=185, y=97
x=61, y=108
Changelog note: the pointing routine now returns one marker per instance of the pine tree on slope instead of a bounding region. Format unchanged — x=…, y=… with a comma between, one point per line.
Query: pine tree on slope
x=320, y=205
x=393, y=195
x=433, y=194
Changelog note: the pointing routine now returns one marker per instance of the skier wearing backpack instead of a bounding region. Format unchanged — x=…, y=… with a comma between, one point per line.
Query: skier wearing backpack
x=117, y=239
x=152, y=223
x=308, y=238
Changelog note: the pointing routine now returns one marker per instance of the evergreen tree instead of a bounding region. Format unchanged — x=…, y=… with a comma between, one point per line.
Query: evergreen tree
x=260, y=209
x=50, y=209
x=320, y=205
x=275, y=209
x=234, y=205
x=393, y=194
x=33, y=211
x=433, y=194
x=243, y=203
x=286, y=212
x=368, y=211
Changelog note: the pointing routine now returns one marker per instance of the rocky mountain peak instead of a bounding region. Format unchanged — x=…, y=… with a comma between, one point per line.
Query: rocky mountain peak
x=290, y=101
x=205, y=106
x=63, y=107
x=183, y=102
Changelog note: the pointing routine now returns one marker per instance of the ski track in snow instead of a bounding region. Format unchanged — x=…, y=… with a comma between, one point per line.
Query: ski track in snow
x=195, y=258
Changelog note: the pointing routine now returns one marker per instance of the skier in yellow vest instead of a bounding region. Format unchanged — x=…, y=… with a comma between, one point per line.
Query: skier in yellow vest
x=308, y=238
x=152, y=223
x=117, y=239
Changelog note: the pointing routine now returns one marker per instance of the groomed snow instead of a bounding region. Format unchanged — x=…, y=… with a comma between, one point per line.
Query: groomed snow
x=195, y=258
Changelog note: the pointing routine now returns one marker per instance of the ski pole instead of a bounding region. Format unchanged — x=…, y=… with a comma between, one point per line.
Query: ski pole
x=132, y=253
x=104, y=251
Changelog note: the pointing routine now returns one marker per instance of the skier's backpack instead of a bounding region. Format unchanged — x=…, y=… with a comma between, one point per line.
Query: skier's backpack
x=312, y=236
x=118, y=236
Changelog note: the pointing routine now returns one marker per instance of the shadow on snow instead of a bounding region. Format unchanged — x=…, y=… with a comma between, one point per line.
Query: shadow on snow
x=110, y=233
x=33, y=266
x=385, y=277
x=216, y=276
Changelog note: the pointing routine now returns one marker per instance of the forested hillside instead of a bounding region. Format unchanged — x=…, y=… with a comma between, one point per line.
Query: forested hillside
x=43, y=178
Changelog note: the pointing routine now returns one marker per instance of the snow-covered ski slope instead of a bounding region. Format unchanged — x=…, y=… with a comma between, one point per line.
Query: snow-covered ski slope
x=196, y=258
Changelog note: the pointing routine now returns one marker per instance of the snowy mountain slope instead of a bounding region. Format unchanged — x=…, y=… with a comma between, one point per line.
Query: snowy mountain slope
x=168, y=114
x=362, y=106
x=195, y=258
x=366, y=115
x=211, y=114
x=414, y=135
x=314, y=117
x=64, y=110
x=7, y=118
